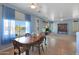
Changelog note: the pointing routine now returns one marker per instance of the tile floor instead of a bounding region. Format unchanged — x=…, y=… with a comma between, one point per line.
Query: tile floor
x=56, y=45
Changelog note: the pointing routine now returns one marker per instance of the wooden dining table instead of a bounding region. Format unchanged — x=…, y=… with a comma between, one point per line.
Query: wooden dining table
x=29, y=41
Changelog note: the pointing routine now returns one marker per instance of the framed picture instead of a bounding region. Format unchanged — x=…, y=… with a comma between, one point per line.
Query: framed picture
x=62, y=28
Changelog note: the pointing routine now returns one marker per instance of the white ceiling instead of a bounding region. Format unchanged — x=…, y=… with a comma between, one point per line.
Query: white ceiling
x=53, y=10
x=62, y=10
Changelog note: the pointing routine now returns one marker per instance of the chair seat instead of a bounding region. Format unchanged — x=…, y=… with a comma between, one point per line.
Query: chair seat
x=16, y=51
x=22, y=49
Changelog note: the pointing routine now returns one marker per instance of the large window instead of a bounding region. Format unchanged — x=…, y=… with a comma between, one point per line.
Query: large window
x=6, y=28
x=12, y=27
x=20, y=28
x=9, y=26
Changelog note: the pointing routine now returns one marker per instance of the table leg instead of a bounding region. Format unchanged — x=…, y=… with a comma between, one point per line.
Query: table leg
x=19, y=52
x=27, y=49
x=27, y=52
x=15, y=53
x=39, y=49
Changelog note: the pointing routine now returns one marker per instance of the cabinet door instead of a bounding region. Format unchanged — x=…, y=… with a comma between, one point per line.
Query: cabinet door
x=75, y=26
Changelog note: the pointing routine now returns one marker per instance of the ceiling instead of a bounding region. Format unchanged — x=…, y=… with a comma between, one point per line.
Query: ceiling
x=62, y=10
x=54, y=11
x=25, y=8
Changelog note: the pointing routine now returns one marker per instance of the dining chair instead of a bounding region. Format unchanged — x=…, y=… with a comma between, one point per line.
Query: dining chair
x=39, y=45
x=18, y=49
x=45, y=39
x=27, y=34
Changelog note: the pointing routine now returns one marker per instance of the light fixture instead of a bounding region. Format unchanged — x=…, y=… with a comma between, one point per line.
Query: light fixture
x=33, y=6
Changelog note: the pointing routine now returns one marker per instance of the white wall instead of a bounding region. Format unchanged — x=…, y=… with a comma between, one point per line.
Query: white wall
x=41, y=26
x=33, y=27
x=54, y=29
x=35, y=24
x=19, y=16
x=55, y=26
x=71, y=28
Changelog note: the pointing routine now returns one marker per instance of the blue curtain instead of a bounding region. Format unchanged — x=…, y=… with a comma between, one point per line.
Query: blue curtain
x=27, y=17
x=28, y=23
x=8, y=17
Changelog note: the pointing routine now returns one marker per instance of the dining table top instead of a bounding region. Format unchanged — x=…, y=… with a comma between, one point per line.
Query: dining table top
x=30, y=39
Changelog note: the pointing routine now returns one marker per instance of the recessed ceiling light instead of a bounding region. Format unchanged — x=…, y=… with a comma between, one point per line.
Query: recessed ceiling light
x=61, y=19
